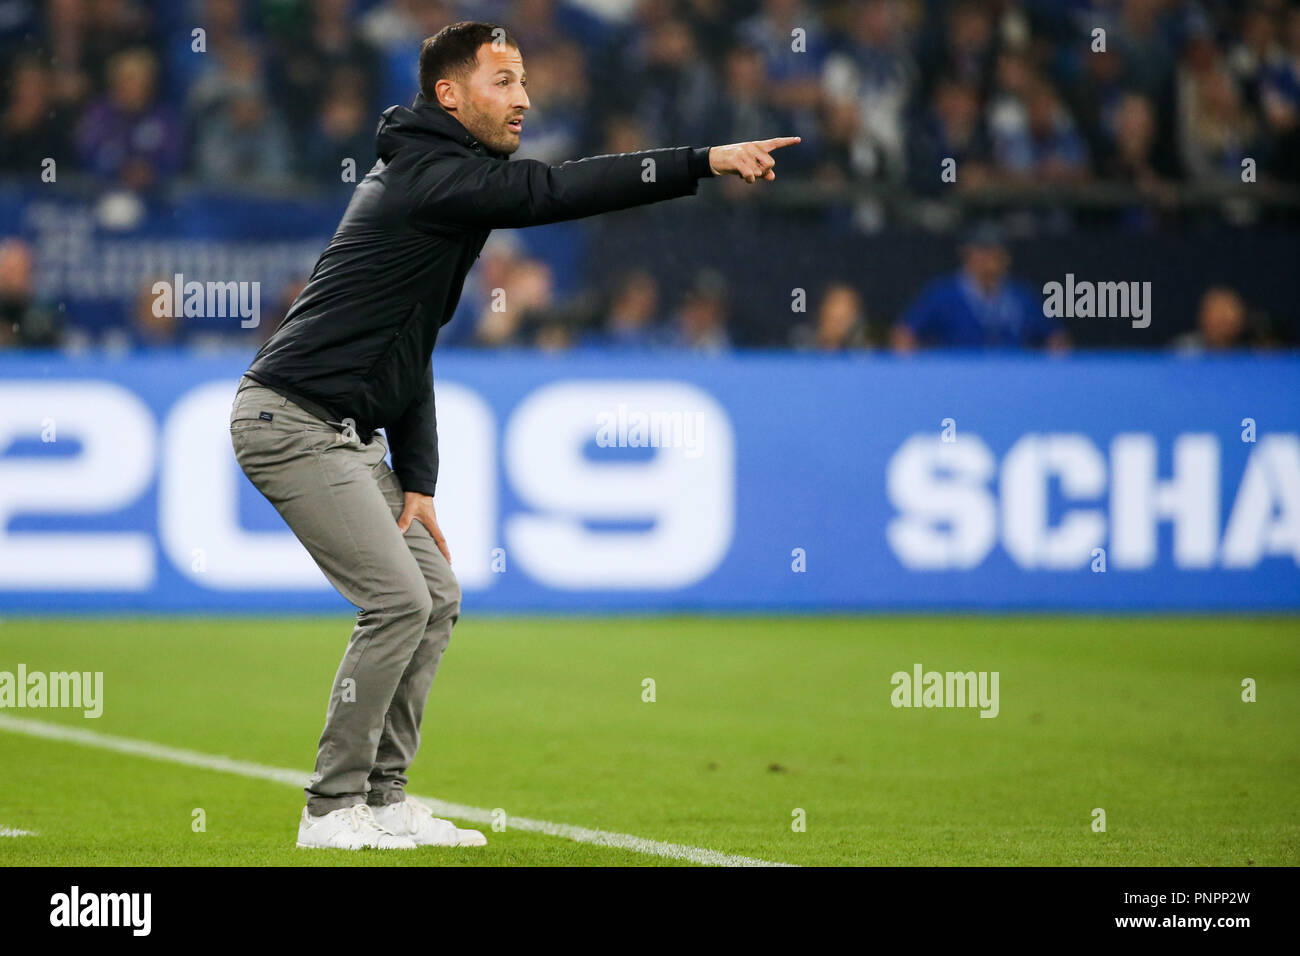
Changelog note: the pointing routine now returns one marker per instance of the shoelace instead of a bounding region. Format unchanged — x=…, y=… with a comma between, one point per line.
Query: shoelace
x=361, y=817
x=414, y=810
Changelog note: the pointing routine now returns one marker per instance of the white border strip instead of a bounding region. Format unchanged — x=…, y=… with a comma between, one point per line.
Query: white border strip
x=257, y=771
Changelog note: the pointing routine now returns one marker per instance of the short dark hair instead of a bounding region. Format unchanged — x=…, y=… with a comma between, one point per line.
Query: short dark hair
x=453, y=51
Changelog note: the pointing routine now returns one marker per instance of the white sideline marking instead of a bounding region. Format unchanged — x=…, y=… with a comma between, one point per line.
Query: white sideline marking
x=11, y=832
x=257, y=771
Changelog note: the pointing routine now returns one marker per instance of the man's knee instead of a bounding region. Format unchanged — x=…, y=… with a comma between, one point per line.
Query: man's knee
x=444, y=599
x=415, y=604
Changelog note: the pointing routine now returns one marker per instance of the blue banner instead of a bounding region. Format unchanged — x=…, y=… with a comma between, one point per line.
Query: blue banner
x=764, y=482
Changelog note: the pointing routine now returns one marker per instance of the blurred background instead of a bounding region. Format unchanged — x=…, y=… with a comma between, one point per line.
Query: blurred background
x=212, y=135
x=957, y=156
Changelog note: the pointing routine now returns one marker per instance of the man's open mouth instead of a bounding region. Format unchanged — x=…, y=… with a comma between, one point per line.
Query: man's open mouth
x=516, y=124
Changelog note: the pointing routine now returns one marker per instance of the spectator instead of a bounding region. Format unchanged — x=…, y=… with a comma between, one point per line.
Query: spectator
x=553, y=335
x=343, y=130
x=1213, y=128
x=868, y=88
x=623, y=134
x=501, y=255
x=32, y=128
x=64, y=28
x=1220, y=324
x=1008, y=111
x=1148, y=58
x=978, y=306
x=951, y=129
x=1216, y=131
x=225, y=34
x=1044, y=147
x=1280, y=102
x=24, y=321
x=150, y=325
x=633, y=314
x=108, y=27
x=1095, y=97
x=230, y=71
x=19, y=22
x=1255, y=54
x=672, y=88
x=1131, y=158
x=310, y=54
x=774, y=31
x=244, y=144
x=127, y=136
x=701, y=323
x=841, y=323
x=518, y=307
x=962, y=45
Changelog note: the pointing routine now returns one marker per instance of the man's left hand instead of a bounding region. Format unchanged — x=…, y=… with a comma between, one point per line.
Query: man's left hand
x=418, y=507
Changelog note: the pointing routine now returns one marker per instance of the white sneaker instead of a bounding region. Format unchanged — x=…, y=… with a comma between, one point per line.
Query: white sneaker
x=351, y=828
x=412, y=819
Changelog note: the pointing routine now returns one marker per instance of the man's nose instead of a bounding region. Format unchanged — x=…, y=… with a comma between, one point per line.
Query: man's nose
x=523, y=102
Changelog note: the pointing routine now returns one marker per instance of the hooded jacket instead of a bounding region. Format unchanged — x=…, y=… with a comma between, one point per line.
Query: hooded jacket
x=357, y=342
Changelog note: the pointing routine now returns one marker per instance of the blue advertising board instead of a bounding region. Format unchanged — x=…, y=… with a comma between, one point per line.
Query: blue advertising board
x=615, y=483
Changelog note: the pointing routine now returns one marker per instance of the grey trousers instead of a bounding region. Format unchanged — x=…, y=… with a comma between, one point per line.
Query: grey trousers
x=342, y=501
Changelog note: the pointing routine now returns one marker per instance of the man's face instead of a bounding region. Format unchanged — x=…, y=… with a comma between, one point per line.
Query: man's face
x=1223, y=316
x=491, y=101
x=987, y=264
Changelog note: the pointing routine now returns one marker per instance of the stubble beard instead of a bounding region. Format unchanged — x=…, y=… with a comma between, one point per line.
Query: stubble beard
x=489, y=131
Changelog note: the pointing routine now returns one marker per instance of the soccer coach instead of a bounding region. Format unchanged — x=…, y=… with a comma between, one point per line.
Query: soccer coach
x=353, y=355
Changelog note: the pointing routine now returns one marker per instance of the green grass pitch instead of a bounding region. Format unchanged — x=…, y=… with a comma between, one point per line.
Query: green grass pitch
x=753, y=718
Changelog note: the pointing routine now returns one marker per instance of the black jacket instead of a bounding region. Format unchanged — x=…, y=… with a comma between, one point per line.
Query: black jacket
x=357, y=341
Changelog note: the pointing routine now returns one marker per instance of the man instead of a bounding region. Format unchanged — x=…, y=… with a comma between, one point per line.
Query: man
x=25, y=320
x=353, y=356
x=1221, y=324
x=979, y=306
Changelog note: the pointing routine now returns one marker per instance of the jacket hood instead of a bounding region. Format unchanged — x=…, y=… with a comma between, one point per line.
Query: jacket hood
x=421, y=125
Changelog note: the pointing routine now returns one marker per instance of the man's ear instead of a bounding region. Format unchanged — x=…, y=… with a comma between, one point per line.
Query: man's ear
x=447, y=93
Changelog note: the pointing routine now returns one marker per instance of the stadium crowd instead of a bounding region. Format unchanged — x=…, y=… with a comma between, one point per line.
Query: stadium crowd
x=1158, y=96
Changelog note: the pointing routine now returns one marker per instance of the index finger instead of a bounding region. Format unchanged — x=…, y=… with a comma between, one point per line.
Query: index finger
x=770, y=144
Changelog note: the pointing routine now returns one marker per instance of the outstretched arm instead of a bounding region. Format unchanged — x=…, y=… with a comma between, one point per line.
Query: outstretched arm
x=489, y=193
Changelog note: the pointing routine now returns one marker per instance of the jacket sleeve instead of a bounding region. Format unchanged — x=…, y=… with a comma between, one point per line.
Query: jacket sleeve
x=413, y=440
x=481, y=192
